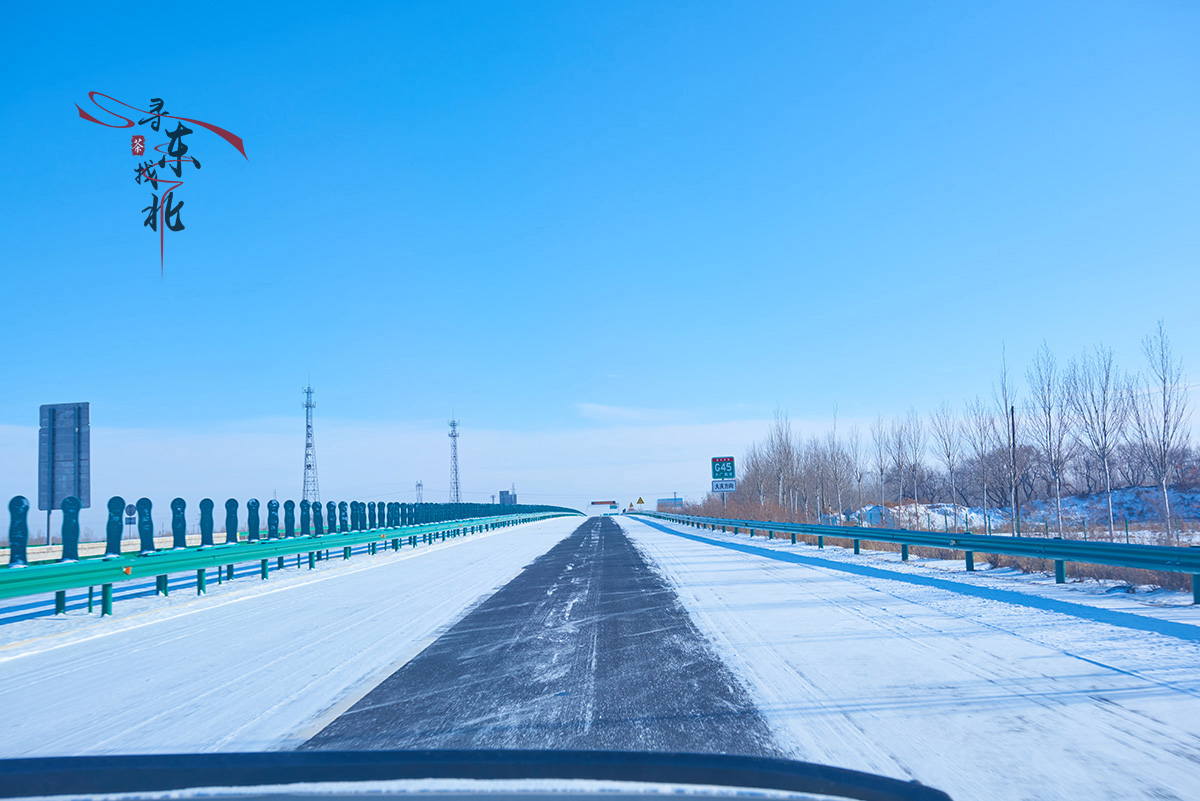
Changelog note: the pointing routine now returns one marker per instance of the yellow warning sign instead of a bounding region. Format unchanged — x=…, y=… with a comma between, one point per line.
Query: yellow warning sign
x=640, y=500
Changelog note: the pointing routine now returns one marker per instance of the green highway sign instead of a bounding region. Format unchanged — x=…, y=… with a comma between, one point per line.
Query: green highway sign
x=722, y=467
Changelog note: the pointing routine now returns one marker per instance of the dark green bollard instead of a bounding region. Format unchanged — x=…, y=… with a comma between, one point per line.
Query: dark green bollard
x=106, y=599
x=145, y=526
x=178, y=523
x=70, y=530
x=229, y=572
x=821, y=541
x=904, y=552
x=279, y=564
x=970, y=561
x=1196, y=588
x=252, y=519
x=793, y=538
x=231, y=523
x=161, y=585
x=856, y=548
x=206, y=522
x=1060, y=571
x=201, y=582
x=114, y=527
x=60, y=602
x=264, y=569
x=395, y=544
x=312, y=560
x=346, y=552
x=272, y=519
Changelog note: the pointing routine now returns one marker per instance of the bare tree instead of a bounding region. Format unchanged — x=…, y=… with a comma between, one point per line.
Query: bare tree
x=1052, y=422
x=982, y=434
x=1159, y=411
x=854, y=453
x=835, y=457
x=898, y=451
x=1099, y=396
x=947, y=435
x=879, y=437
x=916, y=440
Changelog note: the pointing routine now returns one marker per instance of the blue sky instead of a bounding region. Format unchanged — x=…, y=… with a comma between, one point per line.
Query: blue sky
x=566, y=217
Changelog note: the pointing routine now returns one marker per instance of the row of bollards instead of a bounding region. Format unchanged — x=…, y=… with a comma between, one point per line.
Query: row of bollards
x=343, y=517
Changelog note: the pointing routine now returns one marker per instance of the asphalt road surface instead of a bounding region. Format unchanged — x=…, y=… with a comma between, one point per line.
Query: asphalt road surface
x=587, y=648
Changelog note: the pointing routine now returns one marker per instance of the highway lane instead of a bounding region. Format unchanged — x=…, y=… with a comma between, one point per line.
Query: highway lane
x=587, y=648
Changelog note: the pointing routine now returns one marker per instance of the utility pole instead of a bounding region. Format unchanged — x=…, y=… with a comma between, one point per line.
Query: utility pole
x=1016, y=496
x=312, y=492
x=455, y=492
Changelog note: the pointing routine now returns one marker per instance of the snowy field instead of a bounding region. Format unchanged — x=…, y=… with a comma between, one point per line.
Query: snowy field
x=253, y=665
x=982, y=686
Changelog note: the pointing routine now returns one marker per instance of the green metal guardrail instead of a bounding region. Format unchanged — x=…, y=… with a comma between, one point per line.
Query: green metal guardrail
x=1146, y=557
x=354, y=526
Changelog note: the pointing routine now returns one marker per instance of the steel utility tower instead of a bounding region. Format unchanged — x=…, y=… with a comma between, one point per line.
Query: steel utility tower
x=455, y=492
x=312, y=492
x=420, y=491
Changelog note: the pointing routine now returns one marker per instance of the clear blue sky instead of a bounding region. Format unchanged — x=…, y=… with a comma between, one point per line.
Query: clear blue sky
x=509, y=210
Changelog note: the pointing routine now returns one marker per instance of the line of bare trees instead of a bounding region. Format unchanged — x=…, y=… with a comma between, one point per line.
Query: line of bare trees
x=1082, y=427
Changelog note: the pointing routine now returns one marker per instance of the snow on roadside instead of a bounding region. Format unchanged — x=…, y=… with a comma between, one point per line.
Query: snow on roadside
x=252, y=666
x=975, y=695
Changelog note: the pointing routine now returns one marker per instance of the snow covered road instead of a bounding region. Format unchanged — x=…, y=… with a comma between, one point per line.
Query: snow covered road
x=588, y=648
x=976, y=696
x=252, y=666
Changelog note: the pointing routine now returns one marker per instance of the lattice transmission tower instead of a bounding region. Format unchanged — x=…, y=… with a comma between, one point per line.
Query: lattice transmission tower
x=312, y=492
x=455, y=492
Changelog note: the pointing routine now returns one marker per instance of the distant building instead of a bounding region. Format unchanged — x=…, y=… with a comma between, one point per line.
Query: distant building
x=508, y=498
x=669, y=504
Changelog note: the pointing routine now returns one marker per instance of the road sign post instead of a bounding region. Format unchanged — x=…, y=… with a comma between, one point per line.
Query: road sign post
x=64, y=457
x=724, y=476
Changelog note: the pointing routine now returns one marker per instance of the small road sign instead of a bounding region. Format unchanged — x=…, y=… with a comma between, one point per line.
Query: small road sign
x=640, y=501
x=130, y=521
x=725, y=485
x=130, y=511
x=722, y=467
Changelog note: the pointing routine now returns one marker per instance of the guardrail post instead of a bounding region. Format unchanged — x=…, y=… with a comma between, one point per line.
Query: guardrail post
x=289, y=519
x=18, y=531
x=231, y=521
x=343, y=517
x=856, y=546
x=70, y=531
x=116, y=509
x=904, y=552
x=305, y=519
x=252, y=520
x=970, y=561
x=178, y=523
x=145, y=526
x=206, y=523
